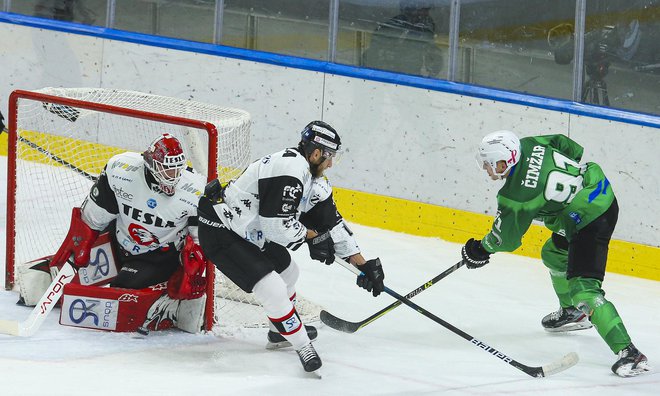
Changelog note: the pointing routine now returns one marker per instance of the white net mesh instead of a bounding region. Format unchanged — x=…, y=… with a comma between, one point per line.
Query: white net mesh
x=61, y=149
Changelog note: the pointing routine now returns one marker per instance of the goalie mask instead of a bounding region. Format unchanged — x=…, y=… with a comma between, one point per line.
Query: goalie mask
x=319, y=135
x=499, y=146
x=165, y=161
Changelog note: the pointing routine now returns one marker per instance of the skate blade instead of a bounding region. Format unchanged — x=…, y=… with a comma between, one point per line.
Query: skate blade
x=627, y=372
x=315, y=374
x=277, y=345
x=567, y=328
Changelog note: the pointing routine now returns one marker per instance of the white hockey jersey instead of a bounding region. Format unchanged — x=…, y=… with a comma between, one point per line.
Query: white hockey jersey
x=267, y=201
x=146, y=219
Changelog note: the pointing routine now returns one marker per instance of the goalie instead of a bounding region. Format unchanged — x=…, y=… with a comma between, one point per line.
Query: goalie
x=149, y=256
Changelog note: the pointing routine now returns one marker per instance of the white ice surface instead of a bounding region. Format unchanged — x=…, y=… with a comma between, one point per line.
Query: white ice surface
x=401, y=353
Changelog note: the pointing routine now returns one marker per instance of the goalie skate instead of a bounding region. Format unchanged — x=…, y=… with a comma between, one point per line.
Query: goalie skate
x=566, y=319
x=631, y=363
x=277, y=340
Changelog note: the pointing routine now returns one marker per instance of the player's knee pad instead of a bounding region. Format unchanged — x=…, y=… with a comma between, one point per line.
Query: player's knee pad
x=271, y=292
x=554, y=255
x=290, y=277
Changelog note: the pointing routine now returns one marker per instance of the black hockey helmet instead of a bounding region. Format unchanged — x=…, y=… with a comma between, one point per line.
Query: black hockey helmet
x=320, y=135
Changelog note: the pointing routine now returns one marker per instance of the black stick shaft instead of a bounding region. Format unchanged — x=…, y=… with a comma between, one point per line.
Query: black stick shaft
x=532, y=371
x=351, y=327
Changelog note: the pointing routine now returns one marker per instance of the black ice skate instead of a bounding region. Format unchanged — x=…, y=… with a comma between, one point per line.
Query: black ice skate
x=277, y=340
x=566, y=319
x=631, y=362
x=309, y=358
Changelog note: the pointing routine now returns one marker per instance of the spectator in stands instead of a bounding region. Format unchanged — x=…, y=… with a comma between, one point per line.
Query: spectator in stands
x=65, y=10
x=405, y=43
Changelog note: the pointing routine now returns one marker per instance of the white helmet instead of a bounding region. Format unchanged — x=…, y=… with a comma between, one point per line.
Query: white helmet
x=499, y=146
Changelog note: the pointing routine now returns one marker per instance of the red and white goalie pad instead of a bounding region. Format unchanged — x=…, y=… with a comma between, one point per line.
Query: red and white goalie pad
x=107, y=308
x=35, y=276
x=126, y=310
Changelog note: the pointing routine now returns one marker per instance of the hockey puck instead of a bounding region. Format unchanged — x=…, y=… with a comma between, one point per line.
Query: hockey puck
x=143, y=330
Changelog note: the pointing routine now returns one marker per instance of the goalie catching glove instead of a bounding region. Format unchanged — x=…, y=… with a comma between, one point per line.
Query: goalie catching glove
x=474, y=255
x=322, y=248
x=188, y=282
x=372, y=276
x=78, y=242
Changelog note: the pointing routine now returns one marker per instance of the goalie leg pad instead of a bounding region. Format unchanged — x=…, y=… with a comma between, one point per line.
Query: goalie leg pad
x=33, y=280
x=106, y=308
x=190, y=315
x=162, y=314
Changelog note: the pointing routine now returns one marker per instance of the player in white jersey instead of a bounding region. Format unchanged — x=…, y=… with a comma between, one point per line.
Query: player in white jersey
x=282, y=201
x=148, y=203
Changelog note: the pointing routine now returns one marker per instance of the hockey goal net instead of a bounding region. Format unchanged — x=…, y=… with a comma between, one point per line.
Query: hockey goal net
x=61, y=138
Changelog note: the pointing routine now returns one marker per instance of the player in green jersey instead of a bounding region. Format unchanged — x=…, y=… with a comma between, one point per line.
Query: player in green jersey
x=544, y=180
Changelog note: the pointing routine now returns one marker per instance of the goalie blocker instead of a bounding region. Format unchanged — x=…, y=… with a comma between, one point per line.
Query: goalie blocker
x=34, y=277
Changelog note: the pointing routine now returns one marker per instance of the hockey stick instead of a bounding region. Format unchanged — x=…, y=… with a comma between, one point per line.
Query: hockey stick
x=54, y=157
x=351, y=327
x=69, y=116
x=30, y=325
x=562, y=364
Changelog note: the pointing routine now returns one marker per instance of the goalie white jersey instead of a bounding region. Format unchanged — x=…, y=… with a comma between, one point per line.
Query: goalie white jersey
x=276, y=199
x=145, y=218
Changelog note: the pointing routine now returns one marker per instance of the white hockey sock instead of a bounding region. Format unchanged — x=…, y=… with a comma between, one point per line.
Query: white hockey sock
x=290, y=277
x=271, y=292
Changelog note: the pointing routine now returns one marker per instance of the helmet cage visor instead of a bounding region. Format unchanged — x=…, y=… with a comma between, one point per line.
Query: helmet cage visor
x=169, y=173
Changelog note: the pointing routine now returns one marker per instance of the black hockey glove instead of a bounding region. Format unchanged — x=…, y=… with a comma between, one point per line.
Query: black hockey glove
x=372, y=276
x=214, y=191
x=322, y=248
x=474, y=255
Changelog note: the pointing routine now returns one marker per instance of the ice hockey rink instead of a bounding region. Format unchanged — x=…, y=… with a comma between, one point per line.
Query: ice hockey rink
x=401, y=353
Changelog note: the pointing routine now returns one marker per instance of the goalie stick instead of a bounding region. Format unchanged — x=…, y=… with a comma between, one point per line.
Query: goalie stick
x=568, y=361
x=30, y=325
x=351, y=327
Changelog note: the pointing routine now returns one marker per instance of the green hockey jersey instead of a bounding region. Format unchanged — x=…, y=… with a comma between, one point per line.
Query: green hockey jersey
x=548, y=184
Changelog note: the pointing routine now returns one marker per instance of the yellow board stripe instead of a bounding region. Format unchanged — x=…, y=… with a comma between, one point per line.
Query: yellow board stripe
x=458, y=226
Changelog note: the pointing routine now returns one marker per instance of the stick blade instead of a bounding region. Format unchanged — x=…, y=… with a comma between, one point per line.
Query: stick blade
x=10, y=327
x=562, y=364
x=338, y=324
